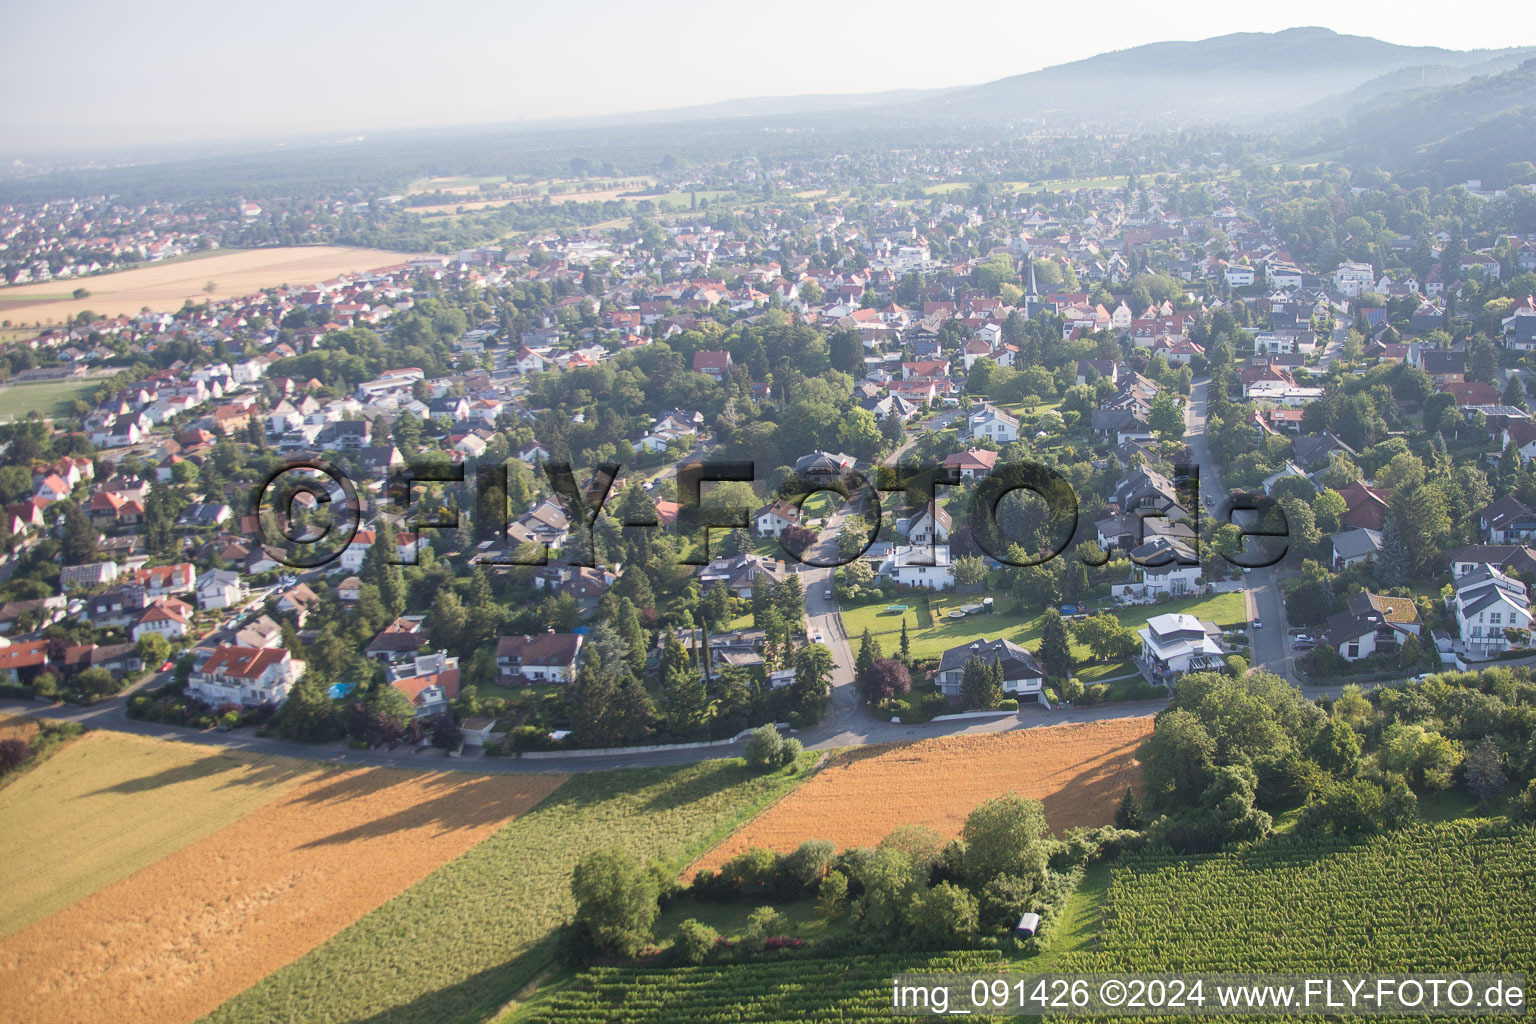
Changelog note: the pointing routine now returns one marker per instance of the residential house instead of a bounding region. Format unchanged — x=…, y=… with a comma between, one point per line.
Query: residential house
x=1022, y=674
x=1175, y=643
x=1487, y=604
x=1370, y=623
x=923, y=566
x=539, y=658
x=249, y=676
x=990, y=423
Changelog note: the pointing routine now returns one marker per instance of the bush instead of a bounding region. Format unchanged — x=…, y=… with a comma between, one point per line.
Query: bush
x=13, y=754
x=763, y=924
x=900, y=709
x=695, y=941
x=765, y=748
x=934, y=704
x=1009, y=704
x=1072, y=689
x=791, y=751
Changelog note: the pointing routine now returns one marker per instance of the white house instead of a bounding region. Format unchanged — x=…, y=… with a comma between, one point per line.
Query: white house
x=246, y=675
x=1350, y=279
x=992, y=424
x=539, y=657
x=219, y=588
x=1174, y=643
x=1163, y=565
x=1486, y=603
x=923, y=566
x=774, y=518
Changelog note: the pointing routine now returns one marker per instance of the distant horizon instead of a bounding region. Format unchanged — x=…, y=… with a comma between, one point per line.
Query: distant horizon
x=345, y=75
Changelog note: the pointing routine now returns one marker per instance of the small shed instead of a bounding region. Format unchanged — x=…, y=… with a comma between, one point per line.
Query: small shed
x=1029, y=926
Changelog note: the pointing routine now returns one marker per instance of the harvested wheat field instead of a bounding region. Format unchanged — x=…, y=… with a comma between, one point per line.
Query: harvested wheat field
x=1078, y=771
x=166, y=286
x=107, y=804
x=17, y=727
x=178, y=938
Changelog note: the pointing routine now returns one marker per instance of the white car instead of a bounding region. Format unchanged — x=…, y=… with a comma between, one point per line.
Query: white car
x=816, y=638
x=827, y=594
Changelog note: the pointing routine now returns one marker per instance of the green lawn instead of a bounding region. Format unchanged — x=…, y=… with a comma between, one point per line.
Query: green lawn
x=52, y=398
x=463, y=941
x=932, y=641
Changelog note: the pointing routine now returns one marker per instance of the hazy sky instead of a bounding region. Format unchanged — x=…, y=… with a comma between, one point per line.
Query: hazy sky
x=83, y=73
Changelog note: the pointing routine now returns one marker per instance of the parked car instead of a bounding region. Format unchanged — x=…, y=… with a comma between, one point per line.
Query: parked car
x=827, y=594
x=1304, y=645
x=1258, y=623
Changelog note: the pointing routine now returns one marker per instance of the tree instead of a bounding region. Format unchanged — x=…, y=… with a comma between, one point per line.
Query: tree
x=1128, y=813
x=942, y=916
x=78, y=540
x=886, y=678
x=765, y=748
x=1055, y=645
x=1166, y=417
x=616, y=901
x=98, y=681
x=695, y=941
x=1336, y=747
x=1104, y=636
x=1176, y=758
x=981, y=683
x=1007, y=835
x=969, y=569
x=1485, y=770
x=869, y=650
x=1394, y=564
x=831, y=895
x=152, y=650
x=904, y=647
x=308, y=715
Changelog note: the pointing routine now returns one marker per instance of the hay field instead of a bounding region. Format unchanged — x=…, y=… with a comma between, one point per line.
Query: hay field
x=1079, y=771
x=175, y=940
x=107, y=804
x=166, y=286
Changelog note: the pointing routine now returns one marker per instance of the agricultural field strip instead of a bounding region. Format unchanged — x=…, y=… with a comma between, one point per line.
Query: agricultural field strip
x=1079, y=771
x=460, y=943
x=107, y=804
x=174, y=940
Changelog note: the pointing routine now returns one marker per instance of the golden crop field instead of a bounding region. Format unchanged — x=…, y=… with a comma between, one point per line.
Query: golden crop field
x=166, y=286
x=107, y=804
x=1079, y=772
x=179, y=937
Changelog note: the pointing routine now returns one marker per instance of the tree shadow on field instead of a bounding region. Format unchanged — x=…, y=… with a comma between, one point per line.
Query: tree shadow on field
x=248, y=774
x=476, y=998
x=1083, y=795
x=850, y=756
x=692, y=787
x=451, y=801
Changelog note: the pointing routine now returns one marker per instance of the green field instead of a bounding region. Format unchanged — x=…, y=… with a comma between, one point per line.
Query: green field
x=846, y=989
x=461, y=943
x=54, y=398
x=1436, y=898
x=932, y=641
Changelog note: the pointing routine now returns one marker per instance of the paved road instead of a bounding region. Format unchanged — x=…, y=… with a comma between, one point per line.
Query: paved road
x=1271, y=644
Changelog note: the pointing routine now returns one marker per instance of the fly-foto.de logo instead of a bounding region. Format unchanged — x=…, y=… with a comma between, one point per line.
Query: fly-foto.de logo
x=1019, y=514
